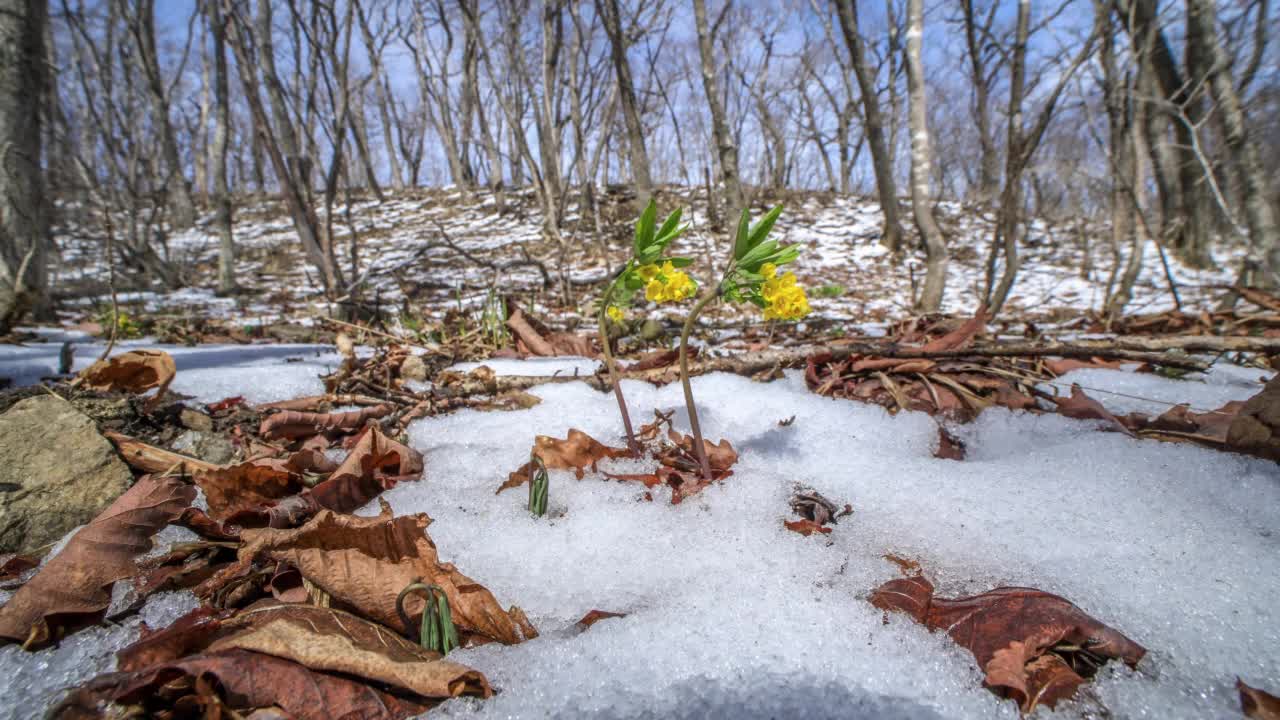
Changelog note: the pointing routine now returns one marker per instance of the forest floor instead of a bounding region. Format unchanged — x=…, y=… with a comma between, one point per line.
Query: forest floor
x=847, y=561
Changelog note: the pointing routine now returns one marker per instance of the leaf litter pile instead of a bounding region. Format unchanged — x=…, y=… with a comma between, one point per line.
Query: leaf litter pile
x=963, y=535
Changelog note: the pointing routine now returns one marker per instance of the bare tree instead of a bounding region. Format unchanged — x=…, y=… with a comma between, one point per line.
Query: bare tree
x=882, y=163
x=218, y=159
x=24, y=219
x=610, y=14
x=921, y=198
x=726, y=148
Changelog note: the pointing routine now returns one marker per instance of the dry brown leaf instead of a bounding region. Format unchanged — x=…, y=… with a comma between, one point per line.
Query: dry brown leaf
x=1062, y=366
x=365, y=562
x=1257, y=704
x=290, y=424
x=76, y=584
x=334, y=641
x=136, y=371
x=595, y=616
x=1082, y=407
x=949, y=447
x=243, y=682
x=150, y=459
x=246, y=486
x=907, y=566
x=961, y=336
x=577, y=452
x=376, y=463
x=1009, y=631
x=806, y=527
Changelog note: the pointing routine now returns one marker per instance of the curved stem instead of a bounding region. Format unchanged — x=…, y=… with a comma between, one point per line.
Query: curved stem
x=602, y=329
x=698, y=447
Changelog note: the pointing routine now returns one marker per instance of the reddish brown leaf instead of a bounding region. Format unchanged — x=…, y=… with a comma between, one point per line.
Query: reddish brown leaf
x=909, y=567
x=136, y=371
x=248, y=485
x=225, y=404
x=1257, y=704
x=658, y=359
x=577, y=452
x=1083, y=407
x=13, y=565
x=1011, y=631
x=150, y=459
x=961, y=336
x=595, y=616
x=244, y=681
x=1062, y=366
x=291, y=424
x=949, y=446
x=188, y=635
x=365, y=562
x=376, y=463
x=806, y=527
x=76, y=584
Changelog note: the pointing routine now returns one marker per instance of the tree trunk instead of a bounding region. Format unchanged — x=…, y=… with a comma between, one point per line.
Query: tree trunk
x=1259, y=213
x=726, y=150
x=182, y=210
x=921, y=199
x=24, y=211
x=611, y=15
x=881, y=162
x=218, y=160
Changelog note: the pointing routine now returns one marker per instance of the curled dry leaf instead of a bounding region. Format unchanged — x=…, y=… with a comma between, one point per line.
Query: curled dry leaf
x=1257, y=704
x=290, y=424
x=245, y=486
x=595, y=616
x=1082, y=407
x=806, y=527
x=949, y=447
x=364, y=562
x=376, y=463
x=76, y=583
x=150, y=459
x=136, y=371
x=239, y=681
x=1033, y=646
x=962, y=336
x=577, y=452
x=1062, y=366
x=13, y=565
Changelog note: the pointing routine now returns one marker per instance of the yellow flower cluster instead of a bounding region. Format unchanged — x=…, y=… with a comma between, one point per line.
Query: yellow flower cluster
x=784, y=299
x=615, y=313
x=665, y=283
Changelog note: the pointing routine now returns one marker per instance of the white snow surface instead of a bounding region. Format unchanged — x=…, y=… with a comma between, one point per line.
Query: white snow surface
x=731, y=615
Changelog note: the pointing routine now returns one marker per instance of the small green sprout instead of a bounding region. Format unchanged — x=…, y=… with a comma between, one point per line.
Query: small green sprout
x=538, y=487
x=436, y=632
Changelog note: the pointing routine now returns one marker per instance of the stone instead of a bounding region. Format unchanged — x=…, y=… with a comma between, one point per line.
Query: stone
x=413, y=368
x=195, y=420
x=56, y=473
x=207, y=446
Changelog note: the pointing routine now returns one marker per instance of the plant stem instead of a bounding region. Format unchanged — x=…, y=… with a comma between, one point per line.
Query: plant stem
x=698, y=447
x=602, y=329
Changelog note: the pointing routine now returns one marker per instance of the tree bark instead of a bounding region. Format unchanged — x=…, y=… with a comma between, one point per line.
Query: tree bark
x=218, y=159
x=921, y=199
x=881, y=162
x=611, y=15
x=726, y=149
x=24, y=210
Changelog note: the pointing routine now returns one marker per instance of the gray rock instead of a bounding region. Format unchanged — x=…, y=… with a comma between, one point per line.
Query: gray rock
x=56, y=472
x=210, y=447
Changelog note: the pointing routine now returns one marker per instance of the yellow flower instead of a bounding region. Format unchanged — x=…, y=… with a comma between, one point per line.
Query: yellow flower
x=666, y=283
x=769, y=270
x=784, y=299
x=614, y=313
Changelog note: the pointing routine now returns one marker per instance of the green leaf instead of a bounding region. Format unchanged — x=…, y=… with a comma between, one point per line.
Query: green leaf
x=649, y=255
x=671, y=223
x=644, y=227
x=664, y=240
x=740, y=246
x=760, y=230
x=787, y=254
x=679, y=262
x=757, y=255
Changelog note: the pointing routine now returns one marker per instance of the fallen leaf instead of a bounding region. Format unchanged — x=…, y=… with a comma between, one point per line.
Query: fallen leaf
x=291, y=424
x=812, y=505
x=242, y=681
x=365, y=562
x=225, y=404
x=949, y=447
x=1258, y=704
x=247, y=485
x=577, y=452
x=376, y=463
x=907, y=566
x=1082, y=407
x=150, y=459
x=806, y=527
x=76, y=584
x=1010, y=631
x=136, y=371
x=595, y=616
x=1062, y=366
x=961, y=336
x=13, y=565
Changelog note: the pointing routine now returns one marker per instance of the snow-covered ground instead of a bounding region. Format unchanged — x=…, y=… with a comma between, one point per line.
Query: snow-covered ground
x=404, y=258
x=730, y=615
